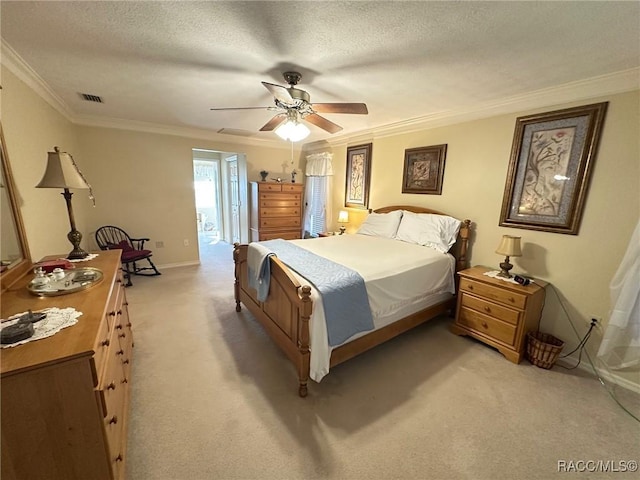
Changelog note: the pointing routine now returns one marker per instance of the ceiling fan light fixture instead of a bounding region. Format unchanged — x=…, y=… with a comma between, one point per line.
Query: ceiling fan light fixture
x=293, y=131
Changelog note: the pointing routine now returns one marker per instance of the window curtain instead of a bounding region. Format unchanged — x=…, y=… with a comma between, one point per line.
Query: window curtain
x=620, y=347
x=318, y=190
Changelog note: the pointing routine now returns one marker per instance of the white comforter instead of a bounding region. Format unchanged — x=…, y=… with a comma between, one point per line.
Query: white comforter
x=401, y=278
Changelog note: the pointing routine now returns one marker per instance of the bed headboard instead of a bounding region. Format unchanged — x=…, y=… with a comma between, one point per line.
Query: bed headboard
x=459, y=249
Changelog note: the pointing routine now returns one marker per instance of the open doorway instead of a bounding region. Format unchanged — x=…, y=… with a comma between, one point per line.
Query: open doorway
x=221, y=197
x=206, y=180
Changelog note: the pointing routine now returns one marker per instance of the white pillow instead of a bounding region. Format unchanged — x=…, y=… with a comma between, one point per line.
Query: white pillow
x=436, y=231
x=381, y=224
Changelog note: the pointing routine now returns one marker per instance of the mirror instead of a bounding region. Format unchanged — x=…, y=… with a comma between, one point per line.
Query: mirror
x=14, y=251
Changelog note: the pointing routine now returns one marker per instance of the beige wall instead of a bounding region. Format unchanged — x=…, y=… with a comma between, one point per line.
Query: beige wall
x=580, y=267
x=143, y=181
x=32, y=128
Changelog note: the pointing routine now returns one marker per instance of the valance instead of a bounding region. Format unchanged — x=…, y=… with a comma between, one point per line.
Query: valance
x=319, y=165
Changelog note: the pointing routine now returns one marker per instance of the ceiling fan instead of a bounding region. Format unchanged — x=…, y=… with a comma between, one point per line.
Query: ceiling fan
x=294, y=105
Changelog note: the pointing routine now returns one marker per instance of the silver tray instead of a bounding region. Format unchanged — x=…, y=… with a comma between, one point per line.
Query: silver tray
x=74, y=280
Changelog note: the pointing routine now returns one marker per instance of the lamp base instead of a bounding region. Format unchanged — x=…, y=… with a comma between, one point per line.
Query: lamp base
x=504, y=269
x=77, y=253
x=343, y=229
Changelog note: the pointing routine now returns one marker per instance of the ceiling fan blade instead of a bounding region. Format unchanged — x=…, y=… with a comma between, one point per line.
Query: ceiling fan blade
x=241, y=108
x=323, y=123
x=278, y=91
x=358, y=108
x=274, y=122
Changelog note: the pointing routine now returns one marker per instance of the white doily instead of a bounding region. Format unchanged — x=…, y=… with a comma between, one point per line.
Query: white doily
x=91, y=256
x=56, y=320
x=494, y=274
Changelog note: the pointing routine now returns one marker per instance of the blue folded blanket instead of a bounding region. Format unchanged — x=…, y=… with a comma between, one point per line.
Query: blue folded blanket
x=343, y=292
x=259, y=269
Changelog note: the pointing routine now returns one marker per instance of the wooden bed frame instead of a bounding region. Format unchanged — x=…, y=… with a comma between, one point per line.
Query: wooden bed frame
x=286, y=312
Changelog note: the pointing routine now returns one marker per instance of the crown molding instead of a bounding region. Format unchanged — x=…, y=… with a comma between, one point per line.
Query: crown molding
x=610, y=84
x=21, y=69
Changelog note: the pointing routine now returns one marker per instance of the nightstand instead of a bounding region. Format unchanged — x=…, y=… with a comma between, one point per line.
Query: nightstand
x=497, y=312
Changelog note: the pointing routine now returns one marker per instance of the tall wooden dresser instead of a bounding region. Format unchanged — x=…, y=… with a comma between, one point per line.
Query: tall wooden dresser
x=276, y=210
x=65, y=398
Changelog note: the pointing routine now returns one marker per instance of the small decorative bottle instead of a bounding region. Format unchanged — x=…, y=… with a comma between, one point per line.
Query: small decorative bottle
x=263, y=175
x=293, y=176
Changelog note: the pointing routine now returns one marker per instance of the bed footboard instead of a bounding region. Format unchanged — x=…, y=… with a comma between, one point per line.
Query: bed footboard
x=284, y=315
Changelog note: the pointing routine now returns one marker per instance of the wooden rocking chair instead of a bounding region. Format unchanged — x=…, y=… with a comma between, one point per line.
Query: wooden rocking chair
x=133, y=251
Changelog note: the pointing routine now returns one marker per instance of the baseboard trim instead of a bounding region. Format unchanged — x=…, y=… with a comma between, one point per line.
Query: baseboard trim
x=610, y=377
x=180, y=264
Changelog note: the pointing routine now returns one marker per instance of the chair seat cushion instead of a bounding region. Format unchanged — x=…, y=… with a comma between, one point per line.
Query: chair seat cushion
x=123, y=245
x=133, y=255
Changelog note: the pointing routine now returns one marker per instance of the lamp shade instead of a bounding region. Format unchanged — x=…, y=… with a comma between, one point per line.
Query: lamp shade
x=61, y=172
x=509, y=246
x=343, y=216
x=293, y=131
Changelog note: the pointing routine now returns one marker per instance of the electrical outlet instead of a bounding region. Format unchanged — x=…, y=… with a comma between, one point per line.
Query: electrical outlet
x=186, y=242
x=160, y=244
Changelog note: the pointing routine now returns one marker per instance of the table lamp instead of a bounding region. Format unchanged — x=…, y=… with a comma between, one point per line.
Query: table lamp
x=62, y=172
x=510, y=247
x=343, y=217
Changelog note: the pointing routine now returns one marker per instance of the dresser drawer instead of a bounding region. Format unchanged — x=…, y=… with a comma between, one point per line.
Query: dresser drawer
x=288, y=197
x=487, y=326
x=291, y=187
x=494, y=293
x=269, y=187
x=280, y=222
x=489, y=308
x=288, y=201
x=280, y=212
x=284, y=234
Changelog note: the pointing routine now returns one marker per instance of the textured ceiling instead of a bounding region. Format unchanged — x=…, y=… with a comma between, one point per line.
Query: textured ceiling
x=167, y=63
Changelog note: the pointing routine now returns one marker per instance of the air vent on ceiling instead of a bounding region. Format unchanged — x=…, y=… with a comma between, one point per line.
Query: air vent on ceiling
x=91, y=98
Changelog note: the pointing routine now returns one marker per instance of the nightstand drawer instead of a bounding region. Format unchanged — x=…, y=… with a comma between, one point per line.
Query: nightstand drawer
x=494, y=293
x=485, y=325
x=490, y=308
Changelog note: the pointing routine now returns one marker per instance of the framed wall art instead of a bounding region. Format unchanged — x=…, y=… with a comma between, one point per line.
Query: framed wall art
x=424, y=169
x=551, y=161
x=358, y=176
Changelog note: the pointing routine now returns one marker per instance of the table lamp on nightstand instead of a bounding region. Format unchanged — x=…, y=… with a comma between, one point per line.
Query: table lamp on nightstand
x=343, y=217
x=510, y=247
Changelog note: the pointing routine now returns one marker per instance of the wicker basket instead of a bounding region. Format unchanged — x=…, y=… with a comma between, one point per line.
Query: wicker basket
x=543, y=349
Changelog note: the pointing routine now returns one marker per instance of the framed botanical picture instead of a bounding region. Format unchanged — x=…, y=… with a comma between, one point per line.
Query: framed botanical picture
x=358, y=176
x=424, y=169
x=551, y=161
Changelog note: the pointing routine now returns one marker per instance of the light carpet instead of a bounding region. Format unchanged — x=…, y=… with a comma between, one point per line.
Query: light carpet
x=214, y=398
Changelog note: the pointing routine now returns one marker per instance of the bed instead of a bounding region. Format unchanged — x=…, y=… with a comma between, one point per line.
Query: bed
x=292, y=313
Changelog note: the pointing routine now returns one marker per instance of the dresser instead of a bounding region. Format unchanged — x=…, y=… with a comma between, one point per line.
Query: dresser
x=65, y=398
x=497, y=312
x=276, y=210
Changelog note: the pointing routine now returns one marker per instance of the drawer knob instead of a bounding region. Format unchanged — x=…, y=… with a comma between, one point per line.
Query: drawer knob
x=484, y=324
x=113, y=420
x=512, y=300
x=118, y=458
x=125, y=362
x=105, y=343
x=112, y=313
x=119, y=326
x=120, y=352
x=470, y=287
x=487, y=309
x=111, y=386
x=122, y=335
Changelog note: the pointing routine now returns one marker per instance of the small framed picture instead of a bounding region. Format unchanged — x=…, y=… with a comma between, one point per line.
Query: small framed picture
x=424, y=169
x=358, y=176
